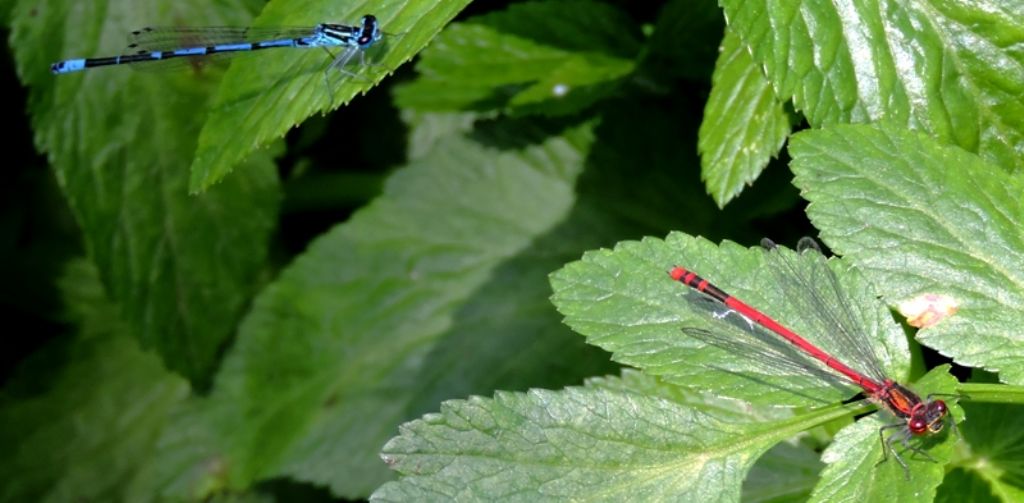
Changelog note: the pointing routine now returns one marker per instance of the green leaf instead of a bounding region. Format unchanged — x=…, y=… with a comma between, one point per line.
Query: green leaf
x=180, y=268
x=605, y=443
x=535, y=57
x=428, y=129
x=922, y=218
x=785, y=473
x=996, y=438
x=348, y=332
x=744, y=124
x=262, y=98
x=99, y=415
x=854, y=472
x=992, y=393
x=624, y=302
x=635, y=436
x=484, y=218
x=952, y=69
x=634, y=381
x=190, y=462
x=376, y=318
x=961, y=485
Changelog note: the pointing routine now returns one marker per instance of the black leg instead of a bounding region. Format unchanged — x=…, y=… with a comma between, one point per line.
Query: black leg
x=887, y=446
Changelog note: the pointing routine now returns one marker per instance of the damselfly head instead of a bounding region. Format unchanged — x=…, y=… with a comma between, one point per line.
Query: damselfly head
x=918, y=426
x=931, y=420
x=370, y=31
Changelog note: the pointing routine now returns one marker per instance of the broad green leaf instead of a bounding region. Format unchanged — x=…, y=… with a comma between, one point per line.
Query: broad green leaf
x=922, y=218
x=535, y=57
x=189, y=462
x=624, y=301
x=180, y=268
x=246, y=497
x=634, y=381
x=427, y=129
x=260, y=99
x=984, y=392
x=855, y=474
x=349, y=333
x=85, y=432
x=744, y=124
x=952, y=69
x=996, y=438
x=595, y=444
x=401, y=307
x=961, y=485
x=785, y=473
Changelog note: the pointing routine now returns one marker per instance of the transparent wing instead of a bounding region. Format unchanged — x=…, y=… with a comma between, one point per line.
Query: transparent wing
x=764, y=355
x=168, y=38
x=344, y=62
x=165, y=38
x=813, y=291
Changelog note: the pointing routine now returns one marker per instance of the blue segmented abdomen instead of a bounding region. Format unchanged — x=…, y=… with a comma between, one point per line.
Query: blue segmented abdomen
x=157, y=44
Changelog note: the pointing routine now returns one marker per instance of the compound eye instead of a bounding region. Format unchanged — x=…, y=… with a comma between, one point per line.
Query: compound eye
x=917, y=426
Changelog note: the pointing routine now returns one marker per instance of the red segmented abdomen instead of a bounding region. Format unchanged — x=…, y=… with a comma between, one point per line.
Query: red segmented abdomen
x=692, y=280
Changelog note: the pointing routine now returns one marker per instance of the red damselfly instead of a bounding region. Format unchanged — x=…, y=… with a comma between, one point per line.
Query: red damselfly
x=916, y=417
